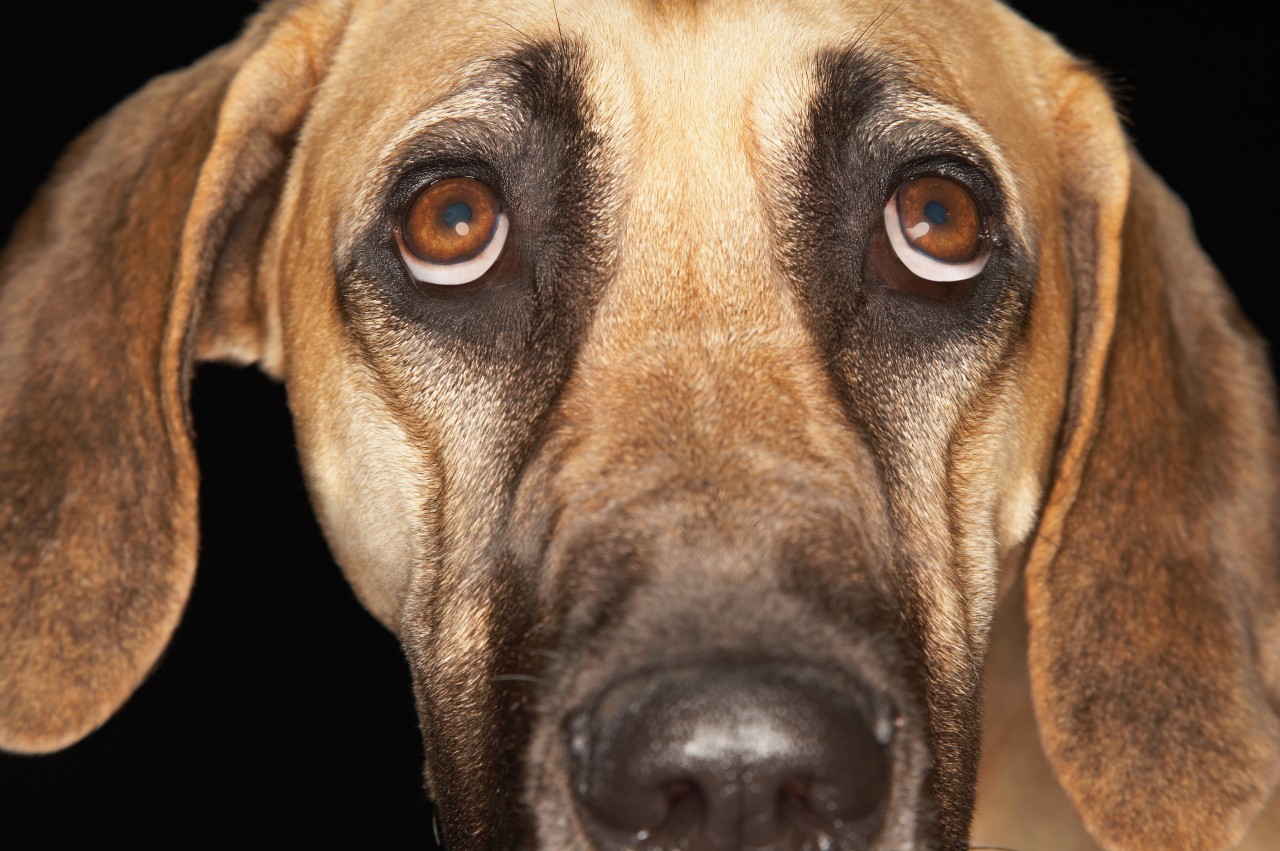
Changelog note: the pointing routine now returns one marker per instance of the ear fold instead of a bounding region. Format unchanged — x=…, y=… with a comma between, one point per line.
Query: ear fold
x=1154, y=593
x=99, y=299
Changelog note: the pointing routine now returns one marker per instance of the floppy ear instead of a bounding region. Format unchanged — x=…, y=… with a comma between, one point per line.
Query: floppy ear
x=1154, y=592
x=151, y=215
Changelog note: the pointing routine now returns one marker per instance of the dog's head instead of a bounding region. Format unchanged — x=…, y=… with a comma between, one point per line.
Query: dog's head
x=683, y=384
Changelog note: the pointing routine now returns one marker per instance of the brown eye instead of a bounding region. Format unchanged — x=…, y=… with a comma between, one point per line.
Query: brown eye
x=935, y=229
x=453, y=232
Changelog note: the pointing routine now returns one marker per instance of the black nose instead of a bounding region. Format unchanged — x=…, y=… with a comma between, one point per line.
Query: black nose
x=708, y=759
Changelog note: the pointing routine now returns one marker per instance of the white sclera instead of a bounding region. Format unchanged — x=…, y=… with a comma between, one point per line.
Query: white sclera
x=921, y=264
x=455, y=274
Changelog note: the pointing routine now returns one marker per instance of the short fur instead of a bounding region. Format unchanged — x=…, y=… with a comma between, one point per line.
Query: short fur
x=606, y=460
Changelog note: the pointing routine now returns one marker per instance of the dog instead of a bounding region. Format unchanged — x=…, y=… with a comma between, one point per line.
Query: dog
x=692, y=508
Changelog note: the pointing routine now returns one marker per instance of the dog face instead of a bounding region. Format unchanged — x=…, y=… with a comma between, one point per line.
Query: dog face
x=690, y=508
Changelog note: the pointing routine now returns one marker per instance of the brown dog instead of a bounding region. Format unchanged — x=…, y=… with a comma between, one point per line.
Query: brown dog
x=690, y=468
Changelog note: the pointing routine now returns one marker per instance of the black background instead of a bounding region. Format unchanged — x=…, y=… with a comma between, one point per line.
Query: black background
x=281, y=708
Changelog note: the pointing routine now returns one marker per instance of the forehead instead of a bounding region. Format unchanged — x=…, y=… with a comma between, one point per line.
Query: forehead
x=686, y=41
x=680, y=80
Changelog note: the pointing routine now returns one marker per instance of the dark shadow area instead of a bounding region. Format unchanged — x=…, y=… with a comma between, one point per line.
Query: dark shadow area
x=281, y=706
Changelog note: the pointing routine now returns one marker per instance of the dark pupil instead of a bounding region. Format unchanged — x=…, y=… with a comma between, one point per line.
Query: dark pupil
x=458, y=211
x=934, y=211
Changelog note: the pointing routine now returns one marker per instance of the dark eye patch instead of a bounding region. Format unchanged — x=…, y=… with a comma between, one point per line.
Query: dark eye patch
x=860, y=145
x=537, y=156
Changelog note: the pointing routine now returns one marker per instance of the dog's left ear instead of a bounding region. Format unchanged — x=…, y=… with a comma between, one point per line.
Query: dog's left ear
x=139, y=252
x=1154, y=589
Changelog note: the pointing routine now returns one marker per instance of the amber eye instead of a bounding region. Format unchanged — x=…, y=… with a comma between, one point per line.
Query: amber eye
x=935, y=228
x=453, y=232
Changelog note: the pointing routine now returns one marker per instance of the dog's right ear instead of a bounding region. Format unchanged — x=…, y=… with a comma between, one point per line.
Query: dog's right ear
x=138, y=252
x=1153, y=589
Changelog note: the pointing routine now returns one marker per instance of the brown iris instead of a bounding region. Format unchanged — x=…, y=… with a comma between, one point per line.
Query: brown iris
x=451, y=221
x=940, y=219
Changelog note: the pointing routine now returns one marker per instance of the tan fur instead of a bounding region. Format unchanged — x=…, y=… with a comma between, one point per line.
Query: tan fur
x=1114, y=446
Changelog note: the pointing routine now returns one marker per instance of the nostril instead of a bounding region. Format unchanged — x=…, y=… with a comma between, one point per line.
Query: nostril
x=795, y=789
x=794, y=803
x=723, y=759
x=683, y=794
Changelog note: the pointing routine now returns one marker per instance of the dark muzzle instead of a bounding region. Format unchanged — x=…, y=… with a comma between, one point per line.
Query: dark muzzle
x=724, y=757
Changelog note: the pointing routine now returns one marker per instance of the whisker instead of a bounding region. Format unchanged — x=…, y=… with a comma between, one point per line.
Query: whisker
x=514, y=678
x=549, y=654
x=876, y=23
x=504, y=21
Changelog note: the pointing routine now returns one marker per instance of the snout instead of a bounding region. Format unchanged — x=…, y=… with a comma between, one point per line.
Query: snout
x=746, y=719
x=723, y=756
x=728, y=663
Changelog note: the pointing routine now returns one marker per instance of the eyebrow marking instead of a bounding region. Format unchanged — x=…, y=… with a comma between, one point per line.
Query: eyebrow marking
x=926, y=108
x=875, y=94
x=496, y=99
x=507, y=86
